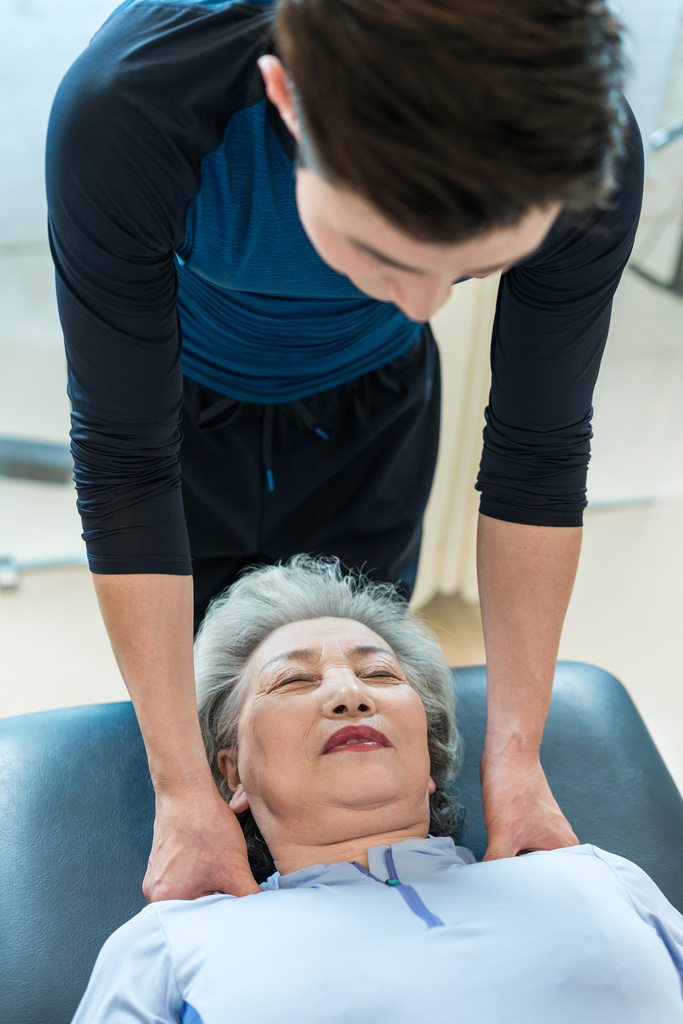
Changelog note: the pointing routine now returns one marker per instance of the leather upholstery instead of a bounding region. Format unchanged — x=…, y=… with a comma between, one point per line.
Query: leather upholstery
x=76, y=811
x=604, y=769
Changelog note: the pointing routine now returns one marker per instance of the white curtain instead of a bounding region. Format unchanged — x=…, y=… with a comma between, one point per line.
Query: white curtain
x=463, y=332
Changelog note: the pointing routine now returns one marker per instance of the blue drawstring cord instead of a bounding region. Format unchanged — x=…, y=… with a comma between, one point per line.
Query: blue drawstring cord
x=220, y=412
x=304, y=420
x=267, y=445
x=406, y=891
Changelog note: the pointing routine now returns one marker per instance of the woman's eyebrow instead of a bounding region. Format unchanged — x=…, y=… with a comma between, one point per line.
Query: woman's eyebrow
x=372, y=649
x=308, y=652
x=300, y=652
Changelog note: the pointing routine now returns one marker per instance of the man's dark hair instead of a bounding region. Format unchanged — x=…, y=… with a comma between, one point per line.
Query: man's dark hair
x=455, y=117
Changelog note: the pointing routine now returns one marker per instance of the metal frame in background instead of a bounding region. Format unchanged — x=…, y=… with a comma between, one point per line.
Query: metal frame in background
x=658, y=140
x=22, y=459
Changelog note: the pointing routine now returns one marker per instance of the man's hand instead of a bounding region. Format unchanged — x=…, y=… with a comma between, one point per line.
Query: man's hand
x=520, y=812
x=198, y=844
x=198, y=849
x=526, y=575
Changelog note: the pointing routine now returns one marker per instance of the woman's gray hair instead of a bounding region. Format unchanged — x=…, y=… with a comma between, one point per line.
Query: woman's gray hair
x=310, y=588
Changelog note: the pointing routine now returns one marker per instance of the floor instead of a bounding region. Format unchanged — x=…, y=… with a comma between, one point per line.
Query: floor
x=625, y=616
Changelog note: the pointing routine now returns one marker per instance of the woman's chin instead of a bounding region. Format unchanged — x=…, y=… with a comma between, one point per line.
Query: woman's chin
x=372, y=797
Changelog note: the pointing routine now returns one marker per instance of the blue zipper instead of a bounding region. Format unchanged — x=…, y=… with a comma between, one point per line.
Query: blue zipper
x=406, y=891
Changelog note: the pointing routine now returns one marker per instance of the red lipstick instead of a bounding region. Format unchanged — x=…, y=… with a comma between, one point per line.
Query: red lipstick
x=356, y=738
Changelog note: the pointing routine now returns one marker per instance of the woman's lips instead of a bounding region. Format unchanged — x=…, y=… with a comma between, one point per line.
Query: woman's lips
x=356, y=737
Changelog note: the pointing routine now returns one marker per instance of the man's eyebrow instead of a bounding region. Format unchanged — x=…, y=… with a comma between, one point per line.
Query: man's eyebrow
x=489, y=270
x=509, y=264
x=382, y=257
x=483, y=271
x=300, y=652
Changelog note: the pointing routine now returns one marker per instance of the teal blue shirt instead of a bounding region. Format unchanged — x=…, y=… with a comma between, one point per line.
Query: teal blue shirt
x=264, y=319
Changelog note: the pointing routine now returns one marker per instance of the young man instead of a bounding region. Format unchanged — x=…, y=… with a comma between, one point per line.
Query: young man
x=253, y=216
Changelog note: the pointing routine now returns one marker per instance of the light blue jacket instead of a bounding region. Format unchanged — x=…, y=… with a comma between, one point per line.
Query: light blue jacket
x=571, y=936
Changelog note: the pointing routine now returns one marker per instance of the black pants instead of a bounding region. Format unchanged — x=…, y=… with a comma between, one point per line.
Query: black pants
x=350, y=470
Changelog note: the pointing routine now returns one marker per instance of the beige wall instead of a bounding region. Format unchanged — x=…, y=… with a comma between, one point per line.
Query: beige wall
x=463, y=331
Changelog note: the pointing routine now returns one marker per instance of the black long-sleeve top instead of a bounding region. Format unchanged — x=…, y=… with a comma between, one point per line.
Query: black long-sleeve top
x=178, y=248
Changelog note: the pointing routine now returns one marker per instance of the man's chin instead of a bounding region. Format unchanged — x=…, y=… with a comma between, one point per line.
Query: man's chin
x=369, y=290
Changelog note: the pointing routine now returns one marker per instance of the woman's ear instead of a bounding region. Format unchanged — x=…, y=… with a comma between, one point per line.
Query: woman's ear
x=239, y=800
x=227, y=766
x=279, y=92
x=431, y=786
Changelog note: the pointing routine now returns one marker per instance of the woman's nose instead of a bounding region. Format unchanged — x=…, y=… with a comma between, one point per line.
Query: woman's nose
x=348, y=699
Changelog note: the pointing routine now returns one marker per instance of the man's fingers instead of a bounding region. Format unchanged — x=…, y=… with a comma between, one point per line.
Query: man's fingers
x=157, y=893
x=520, y=812
x=240, y=883
x=496, y=853
x=148, y=885
x=198, y=849
x=534, y=844
x=246, y=889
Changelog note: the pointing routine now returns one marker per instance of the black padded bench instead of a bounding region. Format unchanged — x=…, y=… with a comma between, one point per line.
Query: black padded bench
x=77, y=809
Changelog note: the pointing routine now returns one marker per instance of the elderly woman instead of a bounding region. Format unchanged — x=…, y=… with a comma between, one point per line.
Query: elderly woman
x=327, y=713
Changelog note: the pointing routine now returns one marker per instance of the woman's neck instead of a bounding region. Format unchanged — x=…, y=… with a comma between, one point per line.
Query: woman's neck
x=292, y=856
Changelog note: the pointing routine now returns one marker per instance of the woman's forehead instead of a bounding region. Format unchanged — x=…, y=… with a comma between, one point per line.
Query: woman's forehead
x=315, y=638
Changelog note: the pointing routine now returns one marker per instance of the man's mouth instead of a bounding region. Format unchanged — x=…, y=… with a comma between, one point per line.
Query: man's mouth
x=357, y=738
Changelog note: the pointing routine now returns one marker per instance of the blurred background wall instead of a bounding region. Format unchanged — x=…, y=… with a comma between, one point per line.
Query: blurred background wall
x=39, y=39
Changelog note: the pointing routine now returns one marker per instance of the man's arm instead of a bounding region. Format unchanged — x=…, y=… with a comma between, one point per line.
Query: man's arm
x=198, y=844
x=550, y=329
x=125, y=145
x=526, y=575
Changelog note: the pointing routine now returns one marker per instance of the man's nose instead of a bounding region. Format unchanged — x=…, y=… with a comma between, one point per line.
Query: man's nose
x=348, y=698
x=419, y=299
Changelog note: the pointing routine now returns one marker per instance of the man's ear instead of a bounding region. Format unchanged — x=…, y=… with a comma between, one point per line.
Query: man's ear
x=279, y=91
x=431, y=786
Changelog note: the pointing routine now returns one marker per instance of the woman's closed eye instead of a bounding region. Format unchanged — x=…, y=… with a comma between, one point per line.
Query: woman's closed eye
x=385, y=675
x=301, y=680
x=294, y=680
